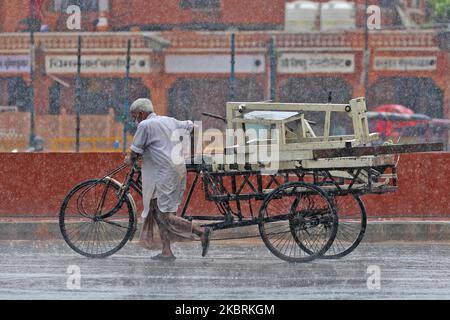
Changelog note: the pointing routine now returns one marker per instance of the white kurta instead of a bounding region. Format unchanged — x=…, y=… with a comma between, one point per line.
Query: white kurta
x=161, y=177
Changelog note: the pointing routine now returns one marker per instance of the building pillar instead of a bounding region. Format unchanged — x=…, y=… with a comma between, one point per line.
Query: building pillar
x=159, y=90
x=444, y=84
x=42, y=98
x=444, y=45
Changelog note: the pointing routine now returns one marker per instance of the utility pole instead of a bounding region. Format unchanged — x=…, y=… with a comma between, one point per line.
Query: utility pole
x=32, y=58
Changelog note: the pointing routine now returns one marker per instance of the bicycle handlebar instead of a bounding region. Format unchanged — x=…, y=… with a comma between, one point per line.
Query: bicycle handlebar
x=215, y=116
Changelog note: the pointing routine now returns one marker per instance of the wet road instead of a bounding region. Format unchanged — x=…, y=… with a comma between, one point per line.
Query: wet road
x=232, y=270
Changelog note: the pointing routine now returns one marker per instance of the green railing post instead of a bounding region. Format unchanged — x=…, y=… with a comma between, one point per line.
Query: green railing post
x=127, y=97
x=78, y=97
x=273, y=70
x=233, y=63
x=32, y=59
x=366, y=53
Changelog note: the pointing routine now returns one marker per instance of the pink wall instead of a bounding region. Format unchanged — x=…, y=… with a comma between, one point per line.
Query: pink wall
x=36, y=184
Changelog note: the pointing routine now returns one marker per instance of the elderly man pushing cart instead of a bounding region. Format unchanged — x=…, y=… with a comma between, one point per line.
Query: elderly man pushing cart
x=164, y=181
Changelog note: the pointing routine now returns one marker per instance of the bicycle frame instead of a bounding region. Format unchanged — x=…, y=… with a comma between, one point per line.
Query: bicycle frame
x=132, y=182
x=216, y=189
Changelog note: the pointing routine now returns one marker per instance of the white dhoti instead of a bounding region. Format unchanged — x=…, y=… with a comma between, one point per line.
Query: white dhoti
x=167, y=184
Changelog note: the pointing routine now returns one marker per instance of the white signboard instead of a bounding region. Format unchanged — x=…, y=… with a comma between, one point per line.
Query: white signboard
x=245, y=63
x=316, y=63
x=405, y=63
x=97, y=64
x=15, y=64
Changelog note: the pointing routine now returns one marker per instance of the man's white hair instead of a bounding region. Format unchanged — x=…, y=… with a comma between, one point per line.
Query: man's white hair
x=142, y=105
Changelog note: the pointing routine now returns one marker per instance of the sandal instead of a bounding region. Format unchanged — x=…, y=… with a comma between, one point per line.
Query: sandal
x=160, y=257
x=206, y=238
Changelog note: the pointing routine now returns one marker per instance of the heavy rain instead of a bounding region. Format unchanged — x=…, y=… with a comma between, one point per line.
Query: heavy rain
x=224, y=150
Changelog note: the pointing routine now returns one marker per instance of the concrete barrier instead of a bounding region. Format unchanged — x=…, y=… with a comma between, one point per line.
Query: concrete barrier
x=377, y=231
x=35, y=184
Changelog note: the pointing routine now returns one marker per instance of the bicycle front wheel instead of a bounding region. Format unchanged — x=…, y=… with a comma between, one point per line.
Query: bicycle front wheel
x=86, y=225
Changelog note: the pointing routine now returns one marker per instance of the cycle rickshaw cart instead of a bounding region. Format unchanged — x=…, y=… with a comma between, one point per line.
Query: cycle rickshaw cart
x=305, y=198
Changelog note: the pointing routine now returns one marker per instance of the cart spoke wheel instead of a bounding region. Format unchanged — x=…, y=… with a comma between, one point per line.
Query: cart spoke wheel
x=352, y=226
x=298, y=222
x=84, y=221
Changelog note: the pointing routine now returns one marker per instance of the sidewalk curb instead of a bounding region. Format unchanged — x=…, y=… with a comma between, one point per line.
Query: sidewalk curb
x=377, y=231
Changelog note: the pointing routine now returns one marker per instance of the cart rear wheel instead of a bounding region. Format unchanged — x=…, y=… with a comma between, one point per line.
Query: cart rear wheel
x=298, y=222
x=84, y=224
x=352, y=226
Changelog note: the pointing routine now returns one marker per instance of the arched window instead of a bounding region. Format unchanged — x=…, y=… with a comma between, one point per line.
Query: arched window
x=19, y=94
x=54, y=95
x=420, y=94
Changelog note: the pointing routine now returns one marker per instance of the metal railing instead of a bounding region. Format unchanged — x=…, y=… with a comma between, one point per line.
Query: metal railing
x=113, y=41
x=7, y=144
x=92, y=144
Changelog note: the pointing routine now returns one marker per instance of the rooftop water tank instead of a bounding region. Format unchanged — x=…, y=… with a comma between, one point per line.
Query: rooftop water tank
x=337, y=15
x=301, y=16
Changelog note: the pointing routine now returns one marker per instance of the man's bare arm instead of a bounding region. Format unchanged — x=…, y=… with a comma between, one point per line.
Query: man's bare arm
x=132, y=158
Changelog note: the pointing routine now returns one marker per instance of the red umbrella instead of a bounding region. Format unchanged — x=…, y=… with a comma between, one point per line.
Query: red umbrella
x=394, y=108
x=389, y=128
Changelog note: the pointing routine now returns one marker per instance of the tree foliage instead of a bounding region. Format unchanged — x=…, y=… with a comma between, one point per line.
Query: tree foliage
x=439, y=10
